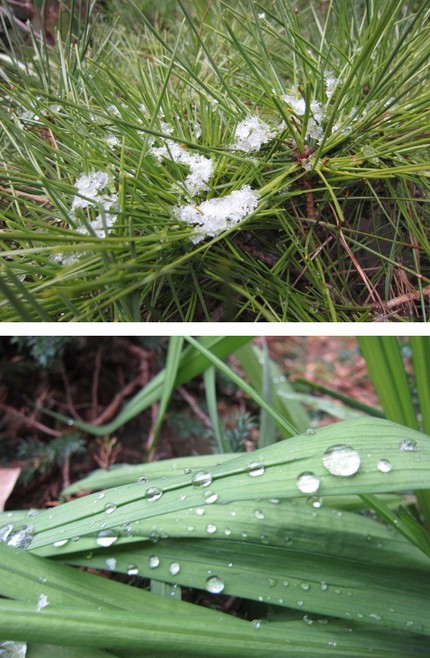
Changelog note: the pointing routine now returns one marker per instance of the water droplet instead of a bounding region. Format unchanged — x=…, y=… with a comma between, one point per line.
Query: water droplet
x=308, y=482
x=142, y=480
x=227, y=532
x=259, y=514
x=126, y=527
x=41, y=603
x=132, y=570
x=384, y=466
x=153, y=493
x=11, y=649
x=332, y=643
x=255, y=469
x=214, y=585
x=285, y=583
x=315, y=501
x=21, y=539
x=174, y=568
x=70, y=422
x=341, y=460
x=106, y=538
x=200, y=511
x=256, y=624
x=308, y=620
x=109, y=508
x=409, y=445
x=323, y=585
x=274, y=501
x=188, y=470
x=153, y=561
x=300, y=603
x=375, y=616
x=210, y=497
x=211, y=528
x=101, y=495
x=305, y=586
x=202, y=479
x=5, y=532
x=272, y=582
x=61, y=542
x=310, y=432
x=110, y=563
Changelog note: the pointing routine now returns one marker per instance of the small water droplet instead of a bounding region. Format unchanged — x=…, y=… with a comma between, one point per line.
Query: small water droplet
x=109, y=508
x=200, y=511
x=111, y=563
x=153, y=561
x=210, y=497
x=142, y=480
x=106, y=538
x=100, y=495
x=259, y=514
x=227, y=532
x=409, y=445
x=300, y=603
x=21, y=539
x=315, y=501
x=305, y=586
x=272, y=582
x=61, y=542
x=5, y=531
x=341, y=460
x=310, y=432
x=308, y=482
x=255, y=469
x=384, y=466
x=211, y=528
x=323, y=585
x=375, y=616
x=70, y=422
x=42, y=602
x=126, y=527
x=256, y=624
x=308, y=620
x=188, y=470
x=153, y=493
x=174, y=568
x=132, y=570
x=214, y=585
x=285, y=583
x=202, y=479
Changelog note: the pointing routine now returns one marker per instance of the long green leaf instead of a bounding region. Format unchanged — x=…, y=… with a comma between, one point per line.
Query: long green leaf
x=384, y=361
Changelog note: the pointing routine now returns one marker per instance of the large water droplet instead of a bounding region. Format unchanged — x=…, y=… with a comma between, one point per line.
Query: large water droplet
x=21, y=539
x=255, y=469
x=153, y=561
x=11, y=649
x=202, y=479
x=214, y=585
x=106, y=538
x=308, y=482
x=109, y=508
x=409, y=445
x=153, y=493
x=384, y=466
x=174, y=568
x=341, y=460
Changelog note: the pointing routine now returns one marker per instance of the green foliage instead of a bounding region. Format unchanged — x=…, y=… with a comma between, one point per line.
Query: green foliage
x=333, y=178
x=46, y=350
x=285, y=528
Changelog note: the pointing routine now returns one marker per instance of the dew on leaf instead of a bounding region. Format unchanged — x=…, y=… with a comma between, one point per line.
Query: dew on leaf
x=255, y=469
x=153, y=561
x=211, y=528
x=111, y=563
x=153, y=493
x=259, y=514
x=202, y=479
x=142, y=480
x=109, y=508
x=61, y=542
x=408, y=445
x=174, y=568
x=5, y=531
x=132, y=570
x=106, y=538
x=21, y=539
x=341, y=460
x=315, y=501
x=308, y=482
x=310, y=432
x=384, y=466
x=210, y=497
x=200, y=511
x=214, y=585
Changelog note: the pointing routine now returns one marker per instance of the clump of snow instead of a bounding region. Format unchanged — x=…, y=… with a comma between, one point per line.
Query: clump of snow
x=201, y=168
x=92, y=187
x=251, y=134
x=298, y=105
x=214, y=216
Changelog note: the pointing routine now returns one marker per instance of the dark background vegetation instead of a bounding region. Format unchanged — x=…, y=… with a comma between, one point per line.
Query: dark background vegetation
x=91, y=378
